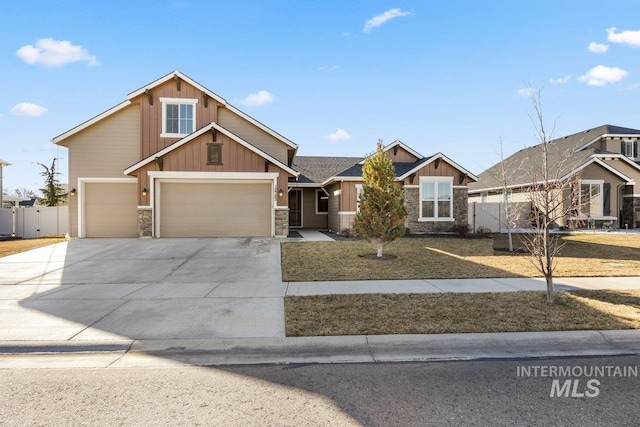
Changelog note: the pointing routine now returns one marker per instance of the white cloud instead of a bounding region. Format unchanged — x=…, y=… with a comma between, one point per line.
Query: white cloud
x=598, y=47
x=387, y=16
x=339, y=135
x=631, y=38
x=526, y=92
x=601, y=75
x=27, y=109
x=560, y=80
x=55, y=53
x=259, y=98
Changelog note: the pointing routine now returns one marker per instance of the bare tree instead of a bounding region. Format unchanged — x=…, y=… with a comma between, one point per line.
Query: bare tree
x=551, y=194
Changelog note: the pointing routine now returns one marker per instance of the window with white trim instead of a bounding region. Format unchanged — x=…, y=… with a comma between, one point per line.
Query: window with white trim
x=590, y=198
x=359, y=191
x=436, y=198
x=630, y=148
x=322, y=202
x=178, y=117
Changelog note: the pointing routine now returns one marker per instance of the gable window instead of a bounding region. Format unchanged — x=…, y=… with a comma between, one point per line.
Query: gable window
x=590, y=198
x=178, y=117
x=630, y=148
x=436, y=198
x=214, y=154
x=322, y=202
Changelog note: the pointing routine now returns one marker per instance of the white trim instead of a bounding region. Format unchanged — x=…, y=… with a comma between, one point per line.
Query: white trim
x=325, y=193
x=358, y=191
x=200, y=132
x=58, y=139
x=435, y=180
x=600, y=163
x=341, y=179
x=431, y=160
x=347, y=213
x=305, y=185
x=606, y=135
x=460, y=187
x=411, y=186
x=401, y=144
x=176, y=101
x=618, y=156
x=81, y=199
x=282, y=208
x=581, y=204
x=157, y=178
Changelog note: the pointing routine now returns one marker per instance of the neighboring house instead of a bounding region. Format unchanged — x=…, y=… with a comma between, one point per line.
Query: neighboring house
x=604, y=160
x=435, y=190
x=176, y=160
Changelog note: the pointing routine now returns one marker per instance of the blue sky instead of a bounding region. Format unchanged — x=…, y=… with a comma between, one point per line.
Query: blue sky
x=332, y=76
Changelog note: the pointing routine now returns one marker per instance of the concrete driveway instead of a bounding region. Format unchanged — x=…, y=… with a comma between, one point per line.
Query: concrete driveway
x=104, y=289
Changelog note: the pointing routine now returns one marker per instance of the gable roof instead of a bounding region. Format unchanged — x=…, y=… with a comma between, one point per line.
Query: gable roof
x=315, y=169
x=397, y=143
x=567, y=155
x=202, y=131
x=174, y=74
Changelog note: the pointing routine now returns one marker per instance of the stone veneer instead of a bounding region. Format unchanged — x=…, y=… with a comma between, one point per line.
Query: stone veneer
x=282, y=222
x=145, y=223
x=460, y=212
x=631, y=212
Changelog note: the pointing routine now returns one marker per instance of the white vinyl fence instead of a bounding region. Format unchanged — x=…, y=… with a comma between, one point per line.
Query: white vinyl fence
x=492, y=216
x=34, y=222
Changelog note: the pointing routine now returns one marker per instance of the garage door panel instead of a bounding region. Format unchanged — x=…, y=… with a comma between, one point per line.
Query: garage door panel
x=110, y=210
x=215, y=209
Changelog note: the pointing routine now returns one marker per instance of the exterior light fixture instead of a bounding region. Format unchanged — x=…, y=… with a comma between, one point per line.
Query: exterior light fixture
x=280, y=193
x=73, y=192
x=144, y=191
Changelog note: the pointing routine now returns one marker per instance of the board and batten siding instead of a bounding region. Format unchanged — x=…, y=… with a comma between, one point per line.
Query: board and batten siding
x=251, y=133
x=151, y=115
x=192, y=157
x=401, y=155
x=103, y=150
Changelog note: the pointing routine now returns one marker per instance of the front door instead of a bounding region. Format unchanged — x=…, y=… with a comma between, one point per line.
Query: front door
x=295, y=207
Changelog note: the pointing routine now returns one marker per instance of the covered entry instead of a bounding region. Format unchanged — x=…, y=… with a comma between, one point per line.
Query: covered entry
x=214, y=208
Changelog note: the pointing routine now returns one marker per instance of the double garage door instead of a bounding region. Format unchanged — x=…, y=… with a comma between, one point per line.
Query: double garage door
x=183, y=209
x=208, y=209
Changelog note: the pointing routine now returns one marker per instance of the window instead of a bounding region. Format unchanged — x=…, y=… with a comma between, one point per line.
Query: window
x=178, y=117
x=359, y=191
x=214, y=154
x=436, y=198
x=590, y=198
x=630, y=148
x=322, y=202
x=484, y=197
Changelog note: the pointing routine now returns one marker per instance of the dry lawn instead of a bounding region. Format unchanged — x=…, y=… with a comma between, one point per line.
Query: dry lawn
x=451, y=258
x=10, y=247
x=375, y=314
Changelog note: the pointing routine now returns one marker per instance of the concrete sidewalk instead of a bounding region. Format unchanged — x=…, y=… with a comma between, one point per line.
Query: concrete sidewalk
x=120, y=302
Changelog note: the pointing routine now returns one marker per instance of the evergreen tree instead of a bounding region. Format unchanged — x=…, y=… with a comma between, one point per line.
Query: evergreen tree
x=52, y=191
x=380, y=219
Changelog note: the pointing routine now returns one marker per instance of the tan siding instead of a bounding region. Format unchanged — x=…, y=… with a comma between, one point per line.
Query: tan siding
x=310, y=218
x=252, y=134
x=103, y=150
x=443, y=169
x=625, y=168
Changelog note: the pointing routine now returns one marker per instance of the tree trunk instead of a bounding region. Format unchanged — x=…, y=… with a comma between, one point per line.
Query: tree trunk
x=380, y=246
x=550, y=296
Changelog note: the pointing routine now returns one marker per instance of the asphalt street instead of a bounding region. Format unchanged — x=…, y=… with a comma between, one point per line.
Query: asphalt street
x=463, y=393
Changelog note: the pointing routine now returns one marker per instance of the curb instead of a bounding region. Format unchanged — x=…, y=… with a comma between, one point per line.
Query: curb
x=341, y=349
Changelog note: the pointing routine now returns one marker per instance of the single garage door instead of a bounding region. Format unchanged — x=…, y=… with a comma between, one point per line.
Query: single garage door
x=110, y=209
x=215, y=209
